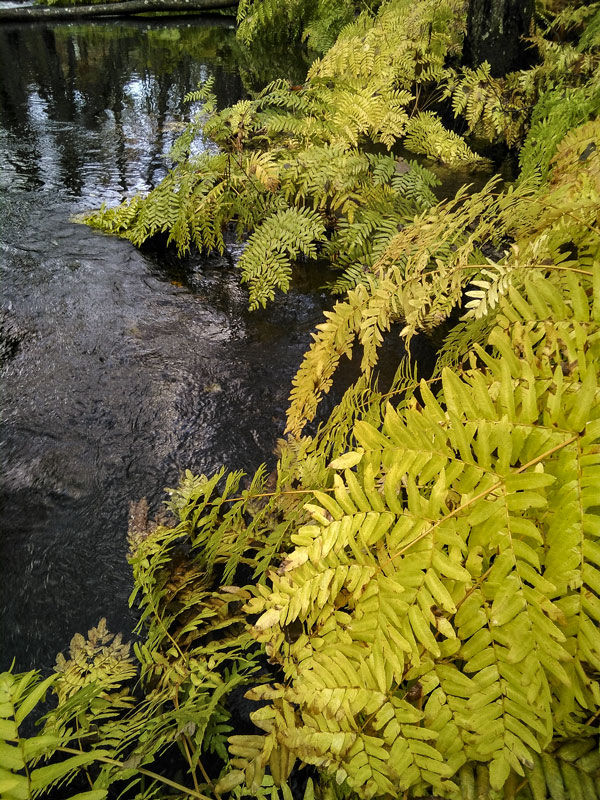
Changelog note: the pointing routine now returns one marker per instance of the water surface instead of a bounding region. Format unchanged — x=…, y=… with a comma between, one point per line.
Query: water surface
x=118, y=368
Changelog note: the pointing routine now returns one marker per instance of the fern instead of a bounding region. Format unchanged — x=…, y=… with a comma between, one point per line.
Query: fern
x=266, y=261
x=295, y=148
x=494, y=108
x=500, y=109
x=23, y=773
x=298, y=148
x=404, y=45
x=316, y=21
x=558, y=111
x=427, y=267
x=426, y=135
x=590, y=38
x=266, y=17
x=438, y=563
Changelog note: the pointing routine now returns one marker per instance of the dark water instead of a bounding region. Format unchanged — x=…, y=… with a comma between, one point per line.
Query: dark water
x=119, y=368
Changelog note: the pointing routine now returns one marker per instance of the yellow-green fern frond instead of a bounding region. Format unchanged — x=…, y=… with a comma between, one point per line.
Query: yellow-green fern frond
x=426, y=135
x=453, y=558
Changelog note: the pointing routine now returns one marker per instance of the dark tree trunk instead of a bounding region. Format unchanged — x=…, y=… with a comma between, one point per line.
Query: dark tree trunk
x=494, y=31
x=51, y=13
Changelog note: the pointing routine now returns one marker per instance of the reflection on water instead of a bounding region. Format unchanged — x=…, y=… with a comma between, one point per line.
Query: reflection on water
x=93, y=110
x=116, y=372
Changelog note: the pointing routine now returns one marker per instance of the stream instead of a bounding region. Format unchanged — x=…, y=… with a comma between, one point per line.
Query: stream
x=119, y=368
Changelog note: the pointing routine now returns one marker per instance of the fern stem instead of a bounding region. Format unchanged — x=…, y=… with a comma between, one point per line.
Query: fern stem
x=521, y=785
x=267, y=494
x=208, y=779
x=593, y=718
x=163, y=626
x=188, y=755
x=476, y=585
x=114, y=763
x=21, y=747
x=479, y=496
x=579, y=271
x=87, y=774
x=186, y=745
x=461, y=267
x=585, y=224
x=410, y=387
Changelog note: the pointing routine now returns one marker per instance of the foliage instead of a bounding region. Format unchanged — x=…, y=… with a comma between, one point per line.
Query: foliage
x=100, y=658
x=298, y=152
x=295, y=148
x=425, y=270
x=499, y=109
x=447, y=594
x=316, y=21
x=314, y=180
x=20, y=776
x=412, y=597
x=558, y=111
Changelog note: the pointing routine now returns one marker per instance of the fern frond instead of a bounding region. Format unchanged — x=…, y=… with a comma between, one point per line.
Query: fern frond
x=426, y=135
x=439, y=555
x=266, y=260
x=558, y=111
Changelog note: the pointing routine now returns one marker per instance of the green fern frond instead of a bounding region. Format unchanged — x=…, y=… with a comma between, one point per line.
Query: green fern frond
x=440, y=557
x=558, y=111
x=590, y=38
x=424, y=603
x=426, y=135
x=266, y=260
